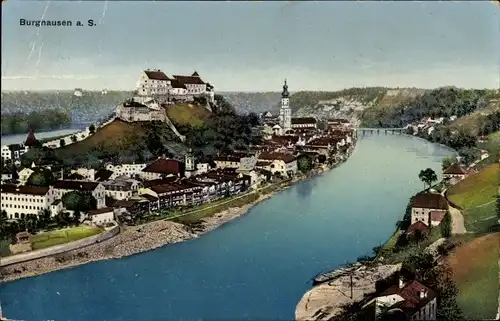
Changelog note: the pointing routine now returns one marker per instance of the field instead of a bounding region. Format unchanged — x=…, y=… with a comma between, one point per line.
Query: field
x=479, y=219
x=477, y=189
x=188, y=114
x=48, y=239
x=475, y=270
x=115, y=136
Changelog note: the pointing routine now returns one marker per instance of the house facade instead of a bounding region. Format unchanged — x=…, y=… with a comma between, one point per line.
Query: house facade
x=455, y=173
x=95, y=189
x=20, y=201
x=425, y=203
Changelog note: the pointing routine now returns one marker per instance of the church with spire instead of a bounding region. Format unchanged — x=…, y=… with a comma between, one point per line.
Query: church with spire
x=285, y=117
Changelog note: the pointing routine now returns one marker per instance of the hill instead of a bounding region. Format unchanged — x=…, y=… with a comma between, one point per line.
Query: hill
x=89, y=107
x=478, y=189
x=188, y=114
x=256, y=102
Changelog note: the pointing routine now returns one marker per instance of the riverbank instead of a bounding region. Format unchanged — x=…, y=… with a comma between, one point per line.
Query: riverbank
x=130, y=241
x=137, y=239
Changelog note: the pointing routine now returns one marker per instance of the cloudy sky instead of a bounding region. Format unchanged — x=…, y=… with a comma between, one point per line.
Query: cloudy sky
x=253, y=46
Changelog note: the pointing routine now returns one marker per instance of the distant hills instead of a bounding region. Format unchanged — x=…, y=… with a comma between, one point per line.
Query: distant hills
x=372, y=106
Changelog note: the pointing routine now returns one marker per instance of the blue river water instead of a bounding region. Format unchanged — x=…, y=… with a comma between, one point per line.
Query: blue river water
x=256, y=267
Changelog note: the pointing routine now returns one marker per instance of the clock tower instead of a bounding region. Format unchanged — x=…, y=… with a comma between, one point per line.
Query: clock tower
x=285, y=111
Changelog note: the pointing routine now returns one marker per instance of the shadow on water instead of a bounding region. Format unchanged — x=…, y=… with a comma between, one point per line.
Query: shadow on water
x=304, y=189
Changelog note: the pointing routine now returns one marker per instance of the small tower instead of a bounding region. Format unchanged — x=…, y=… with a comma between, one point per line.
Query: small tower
x=285, y=111
x=189, y=162
x=31, y=139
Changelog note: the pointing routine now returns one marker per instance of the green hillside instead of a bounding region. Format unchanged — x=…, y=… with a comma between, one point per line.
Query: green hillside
x=188, y=114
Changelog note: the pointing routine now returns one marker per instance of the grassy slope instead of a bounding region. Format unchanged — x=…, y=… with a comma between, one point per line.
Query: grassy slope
x=48, y=239
x=475, y=270
x=115, y=136
x=188, y=114
x=477, y=189
x=479, y=219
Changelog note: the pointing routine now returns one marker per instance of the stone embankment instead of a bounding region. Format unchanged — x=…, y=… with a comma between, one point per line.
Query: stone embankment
x=327, y=300
x=131, y=240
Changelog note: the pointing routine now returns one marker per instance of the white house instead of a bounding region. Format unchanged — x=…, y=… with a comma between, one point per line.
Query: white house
x=455, y=173
x=153, y=82
x=194, y=85
x=19, y=201
x=129, y=170
x=13, y=151
x=304, y=122
x=202, y=168
x=283, y=163
x=101, y=216
x=122, y=188
x=424, y=203
x=411, y=300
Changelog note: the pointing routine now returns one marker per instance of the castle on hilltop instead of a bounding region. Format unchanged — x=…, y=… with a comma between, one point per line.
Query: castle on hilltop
x=155, y=91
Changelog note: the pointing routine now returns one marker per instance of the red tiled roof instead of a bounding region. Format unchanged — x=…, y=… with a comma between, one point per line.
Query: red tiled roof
x=75, y=185
x=161, y=181
x=304, y=120
x=410, y=292
x=189, y=80
x=455, y=169
x=418, y=226
x=437, y=216
x=164, y=166
x=24, y=189
x=430, y=200
x=156, y=75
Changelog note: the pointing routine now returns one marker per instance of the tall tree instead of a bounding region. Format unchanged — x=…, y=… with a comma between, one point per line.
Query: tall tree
x=427, y=176
x=446, y=225
x=447, y=162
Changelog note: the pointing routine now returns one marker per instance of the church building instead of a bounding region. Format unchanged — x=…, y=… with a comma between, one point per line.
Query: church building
x=285, y=117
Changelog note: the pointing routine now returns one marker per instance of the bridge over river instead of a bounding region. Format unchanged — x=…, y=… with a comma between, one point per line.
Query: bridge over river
x=368, y=131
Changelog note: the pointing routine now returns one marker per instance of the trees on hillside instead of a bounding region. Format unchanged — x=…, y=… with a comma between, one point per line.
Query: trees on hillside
x=497, y=206
x=427, y=176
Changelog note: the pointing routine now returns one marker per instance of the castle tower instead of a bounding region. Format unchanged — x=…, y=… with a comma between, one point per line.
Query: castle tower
x=189, y=162
x=285, y=111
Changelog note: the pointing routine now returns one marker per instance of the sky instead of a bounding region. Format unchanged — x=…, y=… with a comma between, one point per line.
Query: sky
x=253, y=46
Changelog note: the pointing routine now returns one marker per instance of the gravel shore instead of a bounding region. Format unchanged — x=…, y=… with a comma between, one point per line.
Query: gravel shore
x=131, y=240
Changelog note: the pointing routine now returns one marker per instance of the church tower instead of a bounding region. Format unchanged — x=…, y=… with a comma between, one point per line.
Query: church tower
x=189, y=162
x=285, y=111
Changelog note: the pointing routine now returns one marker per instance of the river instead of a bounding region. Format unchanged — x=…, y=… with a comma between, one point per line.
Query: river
x=256, y=267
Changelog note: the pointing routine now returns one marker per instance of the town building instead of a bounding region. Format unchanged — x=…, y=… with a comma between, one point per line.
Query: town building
x=101, y=216
x=285, y=117
x=411, y=300
x=122, y=188
x=424, y=203
x=283, y=163
x=304, y=123
x=20, y=201
x=130, y=170
x=454, y=173
x=163, y=167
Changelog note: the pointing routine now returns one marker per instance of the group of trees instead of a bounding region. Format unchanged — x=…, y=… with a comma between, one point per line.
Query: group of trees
x=47, y=119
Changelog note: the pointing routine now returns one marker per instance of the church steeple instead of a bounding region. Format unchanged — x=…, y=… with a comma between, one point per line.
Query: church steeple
x=285, y=92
